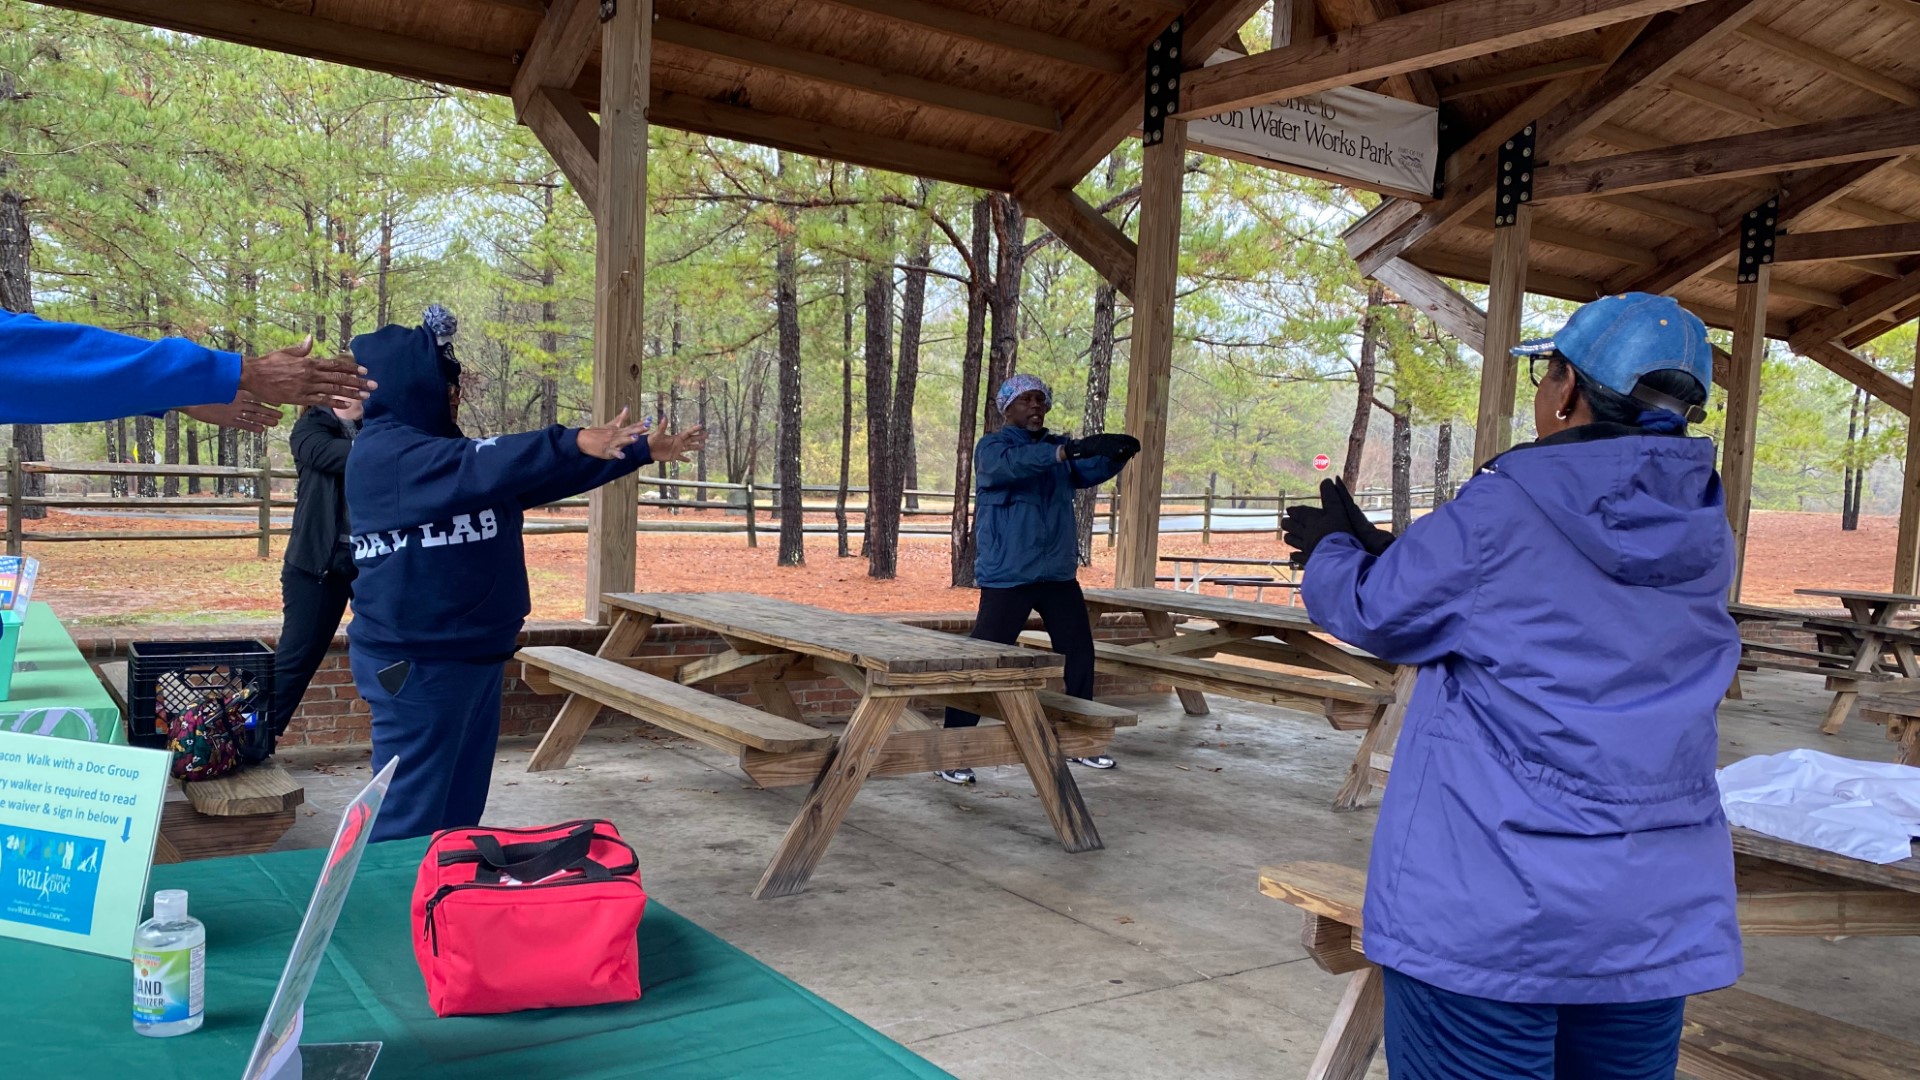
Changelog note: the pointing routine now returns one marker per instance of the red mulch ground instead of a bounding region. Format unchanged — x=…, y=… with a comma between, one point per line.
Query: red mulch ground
x=221, y=580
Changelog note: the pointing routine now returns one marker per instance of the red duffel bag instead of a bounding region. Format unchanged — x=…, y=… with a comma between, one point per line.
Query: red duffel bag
x=511, y=919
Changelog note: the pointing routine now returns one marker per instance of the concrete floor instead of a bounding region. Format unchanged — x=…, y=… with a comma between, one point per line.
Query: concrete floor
x=950, y=919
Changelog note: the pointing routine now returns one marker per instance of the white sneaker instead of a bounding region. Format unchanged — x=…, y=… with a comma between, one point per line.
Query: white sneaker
x=956, y=776
x=1099, y=761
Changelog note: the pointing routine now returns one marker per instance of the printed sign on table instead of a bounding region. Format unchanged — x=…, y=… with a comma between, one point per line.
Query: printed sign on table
x=77, y=828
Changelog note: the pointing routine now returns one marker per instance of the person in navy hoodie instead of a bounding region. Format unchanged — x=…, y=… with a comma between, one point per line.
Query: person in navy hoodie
x=442, y=588
x=1552, y=874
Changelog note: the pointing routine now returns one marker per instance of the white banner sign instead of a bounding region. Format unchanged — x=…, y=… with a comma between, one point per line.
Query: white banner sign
x=1346, y=132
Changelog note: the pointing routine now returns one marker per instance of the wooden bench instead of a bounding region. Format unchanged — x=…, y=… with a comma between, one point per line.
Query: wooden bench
x=244, y=813
x=1729, y=1034
x=1897, y=710
x=1347, y=707
x=779, y=752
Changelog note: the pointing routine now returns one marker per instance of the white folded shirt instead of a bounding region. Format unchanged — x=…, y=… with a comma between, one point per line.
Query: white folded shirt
x=1867, y=810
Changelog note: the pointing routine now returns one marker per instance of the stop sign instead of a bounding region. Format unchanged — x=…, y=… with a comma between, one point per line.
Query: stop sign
x=1321, y=462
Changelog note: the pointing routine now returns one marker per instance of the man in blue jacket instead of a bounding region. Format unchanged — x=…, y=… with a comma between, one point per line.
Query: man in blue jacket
x=63, y=373
x=1025, y=478
x=442, y=588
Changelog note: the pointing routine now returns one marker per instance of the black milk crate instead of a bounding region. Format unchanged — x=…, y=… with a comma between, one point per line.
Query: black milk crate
x=203, y=668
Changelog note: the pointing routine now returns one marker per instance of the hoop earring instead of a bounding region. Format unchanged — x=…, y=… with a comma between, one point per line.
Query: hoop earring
x=1562, y=414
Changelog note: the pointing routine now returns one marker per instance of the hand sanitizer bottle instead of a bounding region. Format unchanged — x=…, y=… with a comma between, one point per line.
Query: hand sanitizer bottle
x=169, y=969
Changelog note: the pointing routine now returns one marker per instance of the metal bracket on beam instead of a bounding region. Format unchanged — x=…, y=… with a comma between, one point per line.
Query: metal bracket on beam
x=606, y=10
x=1757, y=233
x=1515, y=164
x=1163, y=81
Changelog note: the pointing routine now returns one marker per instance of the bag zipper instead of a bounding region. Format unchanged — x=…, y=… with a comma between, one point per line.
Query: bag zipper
x=433, y=931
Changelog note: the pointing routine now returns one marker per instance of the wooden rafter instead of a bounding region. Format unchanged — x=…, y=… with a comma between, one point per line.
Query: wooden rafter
x=965, y=25
x=1112, y=109
x=1839, y=66
x=1848, y=243
x=1683, y=261
x=824, y=140
x=1444, y=304
x=1416, y=86
x=1807, y=294
x=1856, y=338
x=1415, y=41
x=571, y=135
x=1862, y=374
x=775, y=56
x=1526, y=76
x=1567, y=109
x=1824, y=329
x=1859, y=138
x=1088, y=233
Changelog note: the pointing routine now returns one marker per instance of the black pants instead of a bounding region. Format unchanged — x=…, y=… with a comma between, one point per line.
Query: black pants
x=311, y=608
x=1003, y=614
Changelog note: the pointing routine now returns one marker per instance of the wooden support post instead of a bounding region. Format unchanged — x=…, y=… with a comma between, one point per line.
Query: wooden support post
x=753, y=535
x=1499, y=373
x=1150, y=372
x=1280, y=518
x=1113, y=517
x=626, y=48
x=1906, y=558
x=1206, y=515
x=1743, y=411
x=264, y=489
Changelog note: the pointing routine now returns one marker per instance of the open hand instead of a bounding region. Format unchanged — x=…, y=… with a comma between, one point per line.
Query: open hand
x=241, y=414
x=675, y=447
x=291, y=377
x=610, y=441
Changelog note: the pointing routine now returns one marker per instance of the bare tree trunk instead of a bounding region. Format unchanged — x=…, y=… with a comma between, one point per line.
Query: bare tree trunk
x=383, y=295
x=1364, y=381
x=16, y=294
x=225, y=452
x=846, y=405
x=1443, y=465
x=1860, y=473
x=793, y=550
x=1402, y=470
x=550, y=334
x=1094, y=417
x=193, y=457
x=964, y=544
x=1849, y=500
x=1009, y=230
x=879, y=357
x=700, y=459
x=883, y=527
x=260, y=457
x=171, y=486
x=119, y=451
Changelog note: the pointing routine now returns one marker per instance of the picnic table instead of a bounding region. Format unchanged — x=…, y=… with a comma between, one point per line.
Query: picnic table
x=1351, y=689
x=771, y=641
x=1867, y=637
x=245, y=812
x=1785, y=890
x=1191, y=582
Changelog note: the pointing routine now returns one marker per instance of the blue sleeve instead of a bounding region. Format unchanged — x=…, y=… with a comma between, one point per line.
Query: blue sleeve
x=585, y=473
x=1410, y=605
x=1094, y=471
x=998, y=462
x=61, y=373
x=453, y=475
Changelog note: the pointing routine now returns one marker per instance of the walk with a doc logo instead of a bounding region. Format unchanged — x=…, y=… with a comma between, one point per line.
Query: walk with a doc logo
x=49, y=879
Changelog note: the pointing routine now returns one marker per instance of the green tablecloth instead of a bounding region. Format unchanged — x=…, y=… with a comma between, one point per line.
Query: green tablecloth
x=55, y=691
x=709, y=1011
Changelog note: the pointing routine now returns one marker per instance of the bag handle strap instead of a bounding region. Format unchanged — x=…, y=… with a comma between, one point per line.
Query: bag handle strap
x=536, y=859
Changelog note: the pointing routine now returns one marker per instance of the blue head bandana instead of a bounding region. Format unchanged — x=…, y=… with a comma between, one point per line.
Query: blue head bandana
x=1017, y=385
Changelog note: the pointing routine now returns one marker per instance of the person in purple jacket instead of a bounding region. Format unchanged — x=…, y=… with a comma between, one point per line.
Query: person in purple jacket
x=1551, y=873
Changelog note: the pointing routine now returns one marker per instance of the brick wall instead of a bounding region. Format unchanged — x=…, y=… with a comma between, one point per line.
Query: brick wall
x=332, y=713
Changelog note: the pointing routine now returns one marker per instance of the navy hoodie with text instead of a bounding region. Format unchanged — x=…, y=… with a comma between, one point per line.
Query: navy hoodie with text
x=437, y=515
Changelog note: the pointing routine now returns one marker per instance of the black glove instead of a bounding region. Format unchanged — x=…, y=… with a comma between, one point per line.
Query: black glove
x=1306, y=526
x=1118, y=447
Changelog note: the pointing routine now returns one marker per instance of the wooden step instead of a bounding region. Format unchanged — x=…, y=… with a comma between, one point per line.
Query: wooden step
x=1083, y=713
x=1736, y=1035
x=696, y=714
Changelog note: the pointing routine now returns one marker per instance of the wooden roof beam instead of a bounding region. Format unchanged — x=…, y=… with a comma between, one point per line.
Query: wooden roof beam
x=1838, y=66
x=1803, y=194
x=967, y=26
x=558, y=51
x=1526, y=76
x=1566, y=109
x=1572, y=240
x=571, y=135
x=705, y=117
x=300, y=34
x=1112, y=109
x=1725, y=275
x=1848, y=243
x=1747, y=109
x=1853, y=339
x=1415, y=86
x=773, y=56
x=1444, y=304
x=1088, y=233
x=1812, y=332
x=1860, y=373
x=1860, y=138
x=1416, y=41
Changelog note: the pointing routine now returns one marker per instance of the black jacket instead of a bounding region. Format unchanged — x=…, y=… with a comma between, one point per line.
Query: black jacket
x=319, y=544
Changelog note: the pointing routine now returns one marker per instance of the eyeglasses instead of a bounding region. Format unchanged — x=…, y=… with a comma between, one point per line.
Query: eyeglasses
x=1539, y=366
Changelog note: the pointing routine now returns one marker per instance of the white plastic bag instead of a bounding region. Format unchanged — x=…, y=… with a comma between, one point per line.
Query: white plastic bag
x=1867, y=810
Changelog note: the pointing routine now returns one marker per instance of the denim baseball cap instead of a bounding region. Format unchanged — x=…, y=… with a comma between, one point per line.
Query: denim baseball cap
x=1617, y=339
